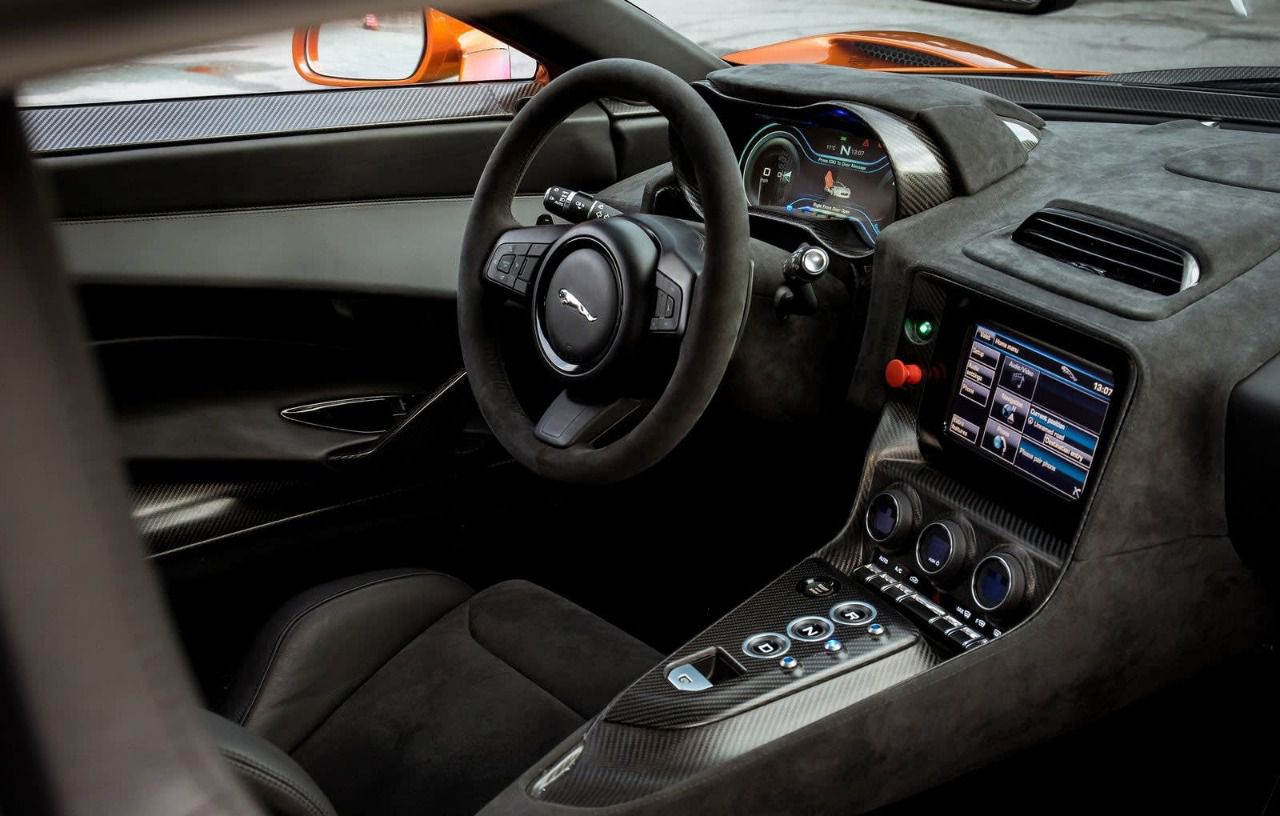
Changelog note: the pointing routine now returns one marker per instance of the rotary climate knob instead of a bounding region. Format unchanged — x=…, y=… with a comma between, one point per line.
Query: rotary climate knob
x=891, y=517
x=1000, y=582
x=944, y=550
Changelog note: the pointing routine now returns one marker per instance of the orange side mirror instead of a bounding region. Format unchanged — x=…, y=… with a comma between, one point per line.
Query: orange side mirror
x=379, y=51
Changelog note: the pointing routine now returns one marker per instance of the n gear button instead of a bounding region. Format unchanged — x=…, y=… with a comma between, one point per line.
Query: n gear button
x=810, y=629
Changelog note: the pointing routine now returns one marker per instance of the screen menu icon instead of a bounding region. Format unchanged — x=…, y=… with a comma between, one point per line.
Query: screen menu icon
x=1037, y=410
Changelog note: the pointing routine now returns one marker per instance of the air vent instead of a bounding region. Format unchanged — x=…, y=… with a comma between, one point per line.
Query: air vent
x=897, y=55
x=1109, y=250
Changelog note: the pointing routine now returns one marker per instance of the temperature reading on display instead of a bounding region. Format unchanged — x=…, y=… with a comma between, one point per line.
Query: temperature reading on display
x=1038, y=411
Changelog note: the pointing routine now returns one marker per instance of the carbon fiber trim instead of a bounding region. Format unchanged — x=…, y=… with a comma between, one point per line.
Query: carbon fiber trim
x=940, y=490
x=619, y=763
x=1117, y=97
x=1028, y=136
x=1173, y=76
x=169, y=121
x=894, y=440
x=921, y=174
x=175, y=516
x=993, y=526
x=651, y=701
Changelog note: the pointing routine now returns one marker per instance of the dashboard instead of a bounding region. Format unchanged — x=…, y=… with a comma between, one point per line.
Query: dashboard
x=1043, y=494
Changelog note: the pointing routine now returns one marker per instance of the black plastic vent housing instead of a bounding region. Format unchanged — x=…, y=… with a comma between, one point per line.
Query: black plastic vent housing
x=1109, y=250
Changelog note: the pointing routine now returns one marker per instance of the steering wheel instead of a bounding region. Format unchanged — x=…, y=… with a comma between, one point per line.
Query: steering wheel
x=609, y=300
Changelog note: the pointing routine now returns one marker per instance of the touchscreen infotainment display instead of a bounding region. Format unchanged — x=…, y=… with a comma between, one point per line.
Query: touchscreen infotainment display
x=1037, y=410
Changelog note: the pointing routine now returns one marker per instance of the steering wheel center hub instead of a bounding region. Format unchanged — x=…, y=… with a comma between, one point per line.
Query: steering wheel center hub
x=582, y=306
x=591, y=301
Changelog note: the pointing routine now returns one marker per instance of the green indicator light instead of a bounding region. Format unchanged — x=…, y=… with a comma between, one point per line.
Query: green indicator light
x=919, y=329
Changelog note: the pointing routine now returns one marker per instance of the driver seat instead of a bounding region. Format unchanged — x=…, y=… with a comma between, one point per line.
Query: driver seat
x=403, y=692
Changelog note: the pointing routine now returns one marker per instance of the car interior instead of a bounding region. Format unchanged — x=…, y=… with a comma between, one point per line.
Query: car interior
x=654, y=435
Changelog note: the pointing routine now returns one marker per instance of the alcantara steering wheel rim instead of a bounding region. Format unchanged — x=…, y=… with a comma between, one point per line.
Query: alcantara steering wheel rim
x=717, y=304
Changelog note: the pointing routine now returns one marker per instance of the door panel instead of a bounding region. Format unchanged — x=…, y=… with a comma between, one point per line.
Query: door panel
x=227, y=279
x=442, y=159
x=389, y=247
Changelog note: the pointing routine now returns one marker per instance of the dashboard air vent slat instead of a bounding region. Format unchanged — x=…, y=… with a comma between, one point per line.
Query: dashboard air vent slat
x=1109, y=250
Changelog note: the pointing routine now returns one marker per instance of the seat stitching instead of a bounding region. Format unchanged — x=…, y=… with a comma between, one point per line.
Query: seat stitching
x=243, y=715
x=282, y=783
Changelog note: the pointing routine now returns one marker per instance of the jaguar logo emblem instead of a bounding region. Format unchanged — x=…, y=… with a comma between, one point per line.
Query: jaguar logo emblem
x=569, y=299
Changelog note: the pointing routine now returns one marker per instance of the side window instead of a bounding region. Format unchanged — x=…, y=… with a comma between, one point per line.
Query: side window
x=377, y=49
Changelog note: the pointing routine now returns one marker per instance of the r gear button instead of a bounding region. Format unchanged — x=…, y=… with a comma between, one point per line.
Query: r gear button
x=853, y=613
x=818, y=586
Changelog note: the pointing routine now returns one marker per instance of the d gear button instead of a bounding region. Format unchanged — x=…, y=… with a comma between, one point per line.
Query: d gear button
x=767, y=645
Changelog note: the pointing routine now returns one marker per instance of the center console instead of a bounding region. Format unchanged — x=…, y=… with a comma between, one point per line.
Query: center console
x=986, y=461
x=994, y=434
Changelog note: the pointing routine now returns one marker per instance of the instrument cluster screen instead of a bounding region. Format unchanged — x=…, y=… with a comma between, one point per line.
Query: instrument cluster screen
x=1034, y=409
x=820, y=172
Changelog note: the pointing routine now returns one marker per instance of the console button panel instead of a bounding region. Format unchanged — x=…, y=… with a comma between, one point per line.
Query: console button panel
x=932, y=610
x=975, y=571
x=849, y=627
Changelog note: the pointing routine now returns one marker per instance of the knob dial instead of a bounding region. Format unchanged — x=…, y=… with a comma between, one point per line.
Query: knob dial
x=1000, y=582
x=814, y=261
x=891, y=517
x=944, y=550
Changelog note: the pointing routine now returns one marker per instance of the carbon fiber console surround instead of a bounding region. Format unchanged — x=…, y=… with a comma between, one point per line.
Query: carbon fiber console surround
x=653, y=701
x=654, y=735
x=617, y=763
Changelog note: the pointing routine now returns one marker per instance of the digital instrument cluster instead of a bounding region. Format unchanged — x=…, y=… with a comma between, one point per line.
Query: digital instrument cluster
x=822, y=172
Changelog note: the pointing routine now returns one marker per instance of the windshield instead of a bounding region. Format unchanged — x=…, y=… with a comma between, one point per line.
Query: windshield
x=1112, y=36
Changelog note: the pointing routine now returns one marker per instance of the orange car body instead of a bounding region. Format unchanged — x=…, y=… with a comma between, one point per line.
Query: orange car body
x=455, y=49
x=897, y=51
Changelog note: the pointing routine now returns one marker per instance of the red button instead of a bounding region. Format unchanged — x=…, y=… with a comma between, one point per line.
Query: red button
x=900, y=375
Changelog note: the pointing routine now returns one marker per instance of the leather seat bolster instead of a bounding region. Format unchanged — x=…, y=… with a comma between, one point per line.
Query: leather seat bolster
x=325, y=643
x=270, y=774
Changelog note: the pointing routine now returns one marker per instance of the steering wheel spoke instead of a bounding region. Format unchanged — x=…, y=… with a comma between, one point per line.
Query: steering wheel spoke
x=680, y=262
x=517, y=255
x=571, y=420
